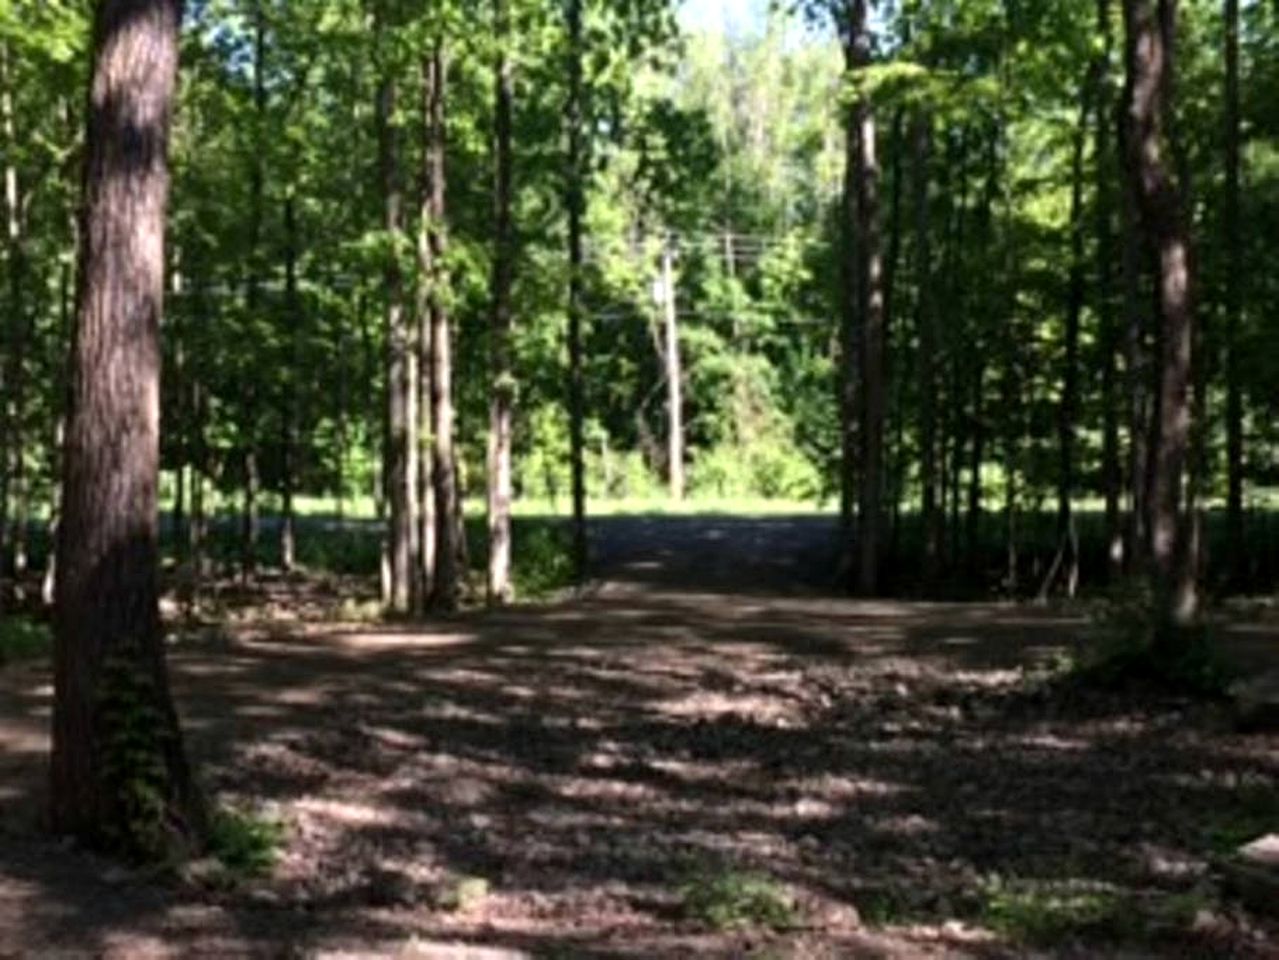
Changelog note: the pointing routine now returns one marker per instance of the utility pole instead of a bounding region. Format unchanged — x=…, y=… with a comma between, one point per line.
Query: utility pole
x=674, y=374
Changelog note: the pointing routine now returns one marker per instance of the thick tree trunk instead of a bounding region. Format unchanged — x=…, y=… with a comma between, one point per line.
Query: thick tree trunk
x=502, y=403
x=449, y=552
x=399, y=456
x=1234, y=277
x=1151, y=34
x=871, y=309
x=119, y=773
x=575, y=201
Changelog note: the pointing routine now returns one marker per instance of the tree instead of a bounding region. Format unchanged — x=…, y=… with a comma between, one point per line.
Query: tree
x=1234, y=273
x=401, y=448
x=502, y=372
x=1151, y=30
x=575, y=202
x=870, y=303
x=119, y=772
x=447, y=513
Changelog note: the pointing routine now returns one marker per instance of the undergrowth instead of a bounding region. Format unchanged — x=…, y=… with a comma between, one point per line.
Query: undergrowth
x=1131, y=648
x=731, y=900
x=245, y=845
x=23, y=639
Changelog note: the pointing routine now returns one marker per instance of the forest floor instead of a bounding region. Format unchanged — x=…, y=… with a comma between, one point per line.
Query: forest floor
x=697, y=738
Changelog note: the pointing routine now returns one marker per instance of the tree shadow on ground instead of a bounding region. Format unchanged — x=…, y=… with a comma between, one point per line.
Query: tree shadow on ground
x=586, y=759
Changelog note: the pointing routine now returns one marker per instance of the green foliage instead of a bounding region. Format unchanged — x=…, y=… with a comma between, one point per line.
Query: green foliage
x=1049, y=913
x=135, y=767
x=768, y=469
x=542, y=559
x=1132, y=647
x=23, y=639
x=1044, y=914
x=246, y=845
x=730, y=900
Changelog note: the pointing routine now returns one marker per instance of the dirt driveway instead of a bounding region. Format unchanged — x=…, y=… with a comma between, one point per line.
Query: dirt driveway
x=582, y=764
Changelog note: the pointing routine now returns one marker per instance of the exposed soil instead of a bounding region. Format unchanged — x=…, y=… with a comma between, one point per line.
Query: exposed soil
x=702, y=709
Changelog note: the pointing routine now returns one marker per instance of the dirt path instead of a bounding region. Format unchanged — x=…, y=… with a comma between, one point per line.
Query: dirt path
x=586, y=759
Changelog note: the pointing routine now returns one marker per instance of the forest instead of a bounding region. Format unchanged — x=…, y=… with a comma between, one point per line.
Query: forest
x=639, y=478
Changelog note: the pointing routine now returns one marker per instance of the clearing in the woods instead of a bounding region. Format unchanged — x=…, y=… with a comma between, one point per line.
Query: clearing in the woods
x=697, y=758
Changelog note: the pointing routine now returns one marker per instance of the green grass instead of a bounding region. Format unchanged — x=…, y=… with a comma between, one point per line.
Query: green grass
x=733, y=900
x=1047, y=914
x=23, y=639
x=246, y=846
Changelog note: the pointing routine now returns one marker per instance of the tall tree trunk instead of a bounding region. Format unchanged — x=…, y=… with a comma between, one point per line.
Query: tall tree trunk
x=450, y=534
x=12, y=377
x=249, y=521
x=119, y=773
x=502, y=403
x=1136, y=359
x=575, y=201
x=674, y=377
x=292, y=413
x=977, y=456
x=871, y=308
x=847, y=378
x=399, y=456
x=1151, y=36
x=894, y=458
x=927, y=324
x=1068, y=409
x=428, y=302
x=1108, y=336
x=1234, y=304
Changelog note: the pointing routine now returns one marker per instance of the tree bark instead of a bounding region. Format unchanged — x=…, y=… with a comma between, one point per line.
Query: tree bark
x=450, y=558
x=1068, y=409
x=926, y=322
x=871, y=309
x=429, y=273
x=249, y=525
x=1151, y=35
x=119, y=773
x=1234, y=278
x=575, y=201
x=292, y=413
x=847, y=379
x=400, y=451
x=1109, y=335
x=502, y=403
x=674, y=377
x=13, y=377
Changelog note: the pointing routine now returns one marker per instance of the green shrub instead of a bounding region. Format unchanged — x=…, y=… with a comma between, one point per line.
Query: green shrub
x=245, y=845
x=23, y=639
x=1047, y=913
x=542, y=559
x=1132, y=647
x=730, y=900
